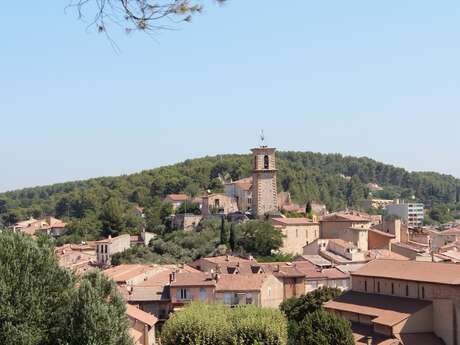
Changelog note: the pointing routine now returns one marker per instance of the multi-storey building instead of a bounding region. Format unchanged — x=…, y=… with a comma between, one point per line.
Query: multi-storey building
x=412, y=214
x=109, y=246
x=298, y=232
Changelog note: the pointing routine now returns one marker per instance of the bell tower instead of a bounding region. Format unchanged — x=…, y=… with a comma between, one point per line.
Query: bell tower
x=264, y=187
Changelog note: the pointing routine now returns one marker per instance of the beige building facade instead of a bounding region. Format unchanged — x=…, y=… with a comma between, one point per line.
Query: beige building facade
x=218, y=203
x=106, y=248
x=298, y=232
x=406, y=297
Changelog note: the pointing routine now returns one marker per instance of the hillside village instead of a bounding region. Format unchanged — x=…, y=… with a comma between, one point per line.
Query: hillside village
x=399, y=277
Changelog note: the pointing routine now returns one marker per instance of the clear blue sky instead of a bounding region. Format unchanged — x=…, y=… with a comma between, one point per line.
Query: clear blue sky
x=367, y=78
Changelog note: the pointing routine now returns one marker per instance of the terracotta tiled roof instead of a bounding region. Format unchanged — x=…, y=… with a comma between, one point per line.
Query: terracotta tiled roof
x=385, y=254
x=284, y=270
x=385, y=310
x=346, y=217
x=177, y=197
x=240, y=283
x=140, y=315
x=293, y=208
x=293, y=221
x=226, y=259
x=451, y=231
x=193, y=279
x=430, y=272
x=123, y=273
x=244, y=184
x=382, y=233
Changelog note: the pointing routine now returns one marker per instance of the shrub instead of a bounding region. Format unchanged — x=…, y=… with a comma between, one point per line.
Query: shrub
x=213, y=324
x=322, y=328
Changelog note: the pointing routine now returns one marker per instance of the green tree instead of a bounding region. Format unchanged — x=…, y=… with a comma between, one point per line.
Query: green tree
x=166, y=210
x=308, y=208
x=189, y=207
x=232, y=238
x=260, y=238
x=85, y=229
x=34, y=292
x=224, y=234
x=322, y=328
x=356, y=192
x=44, y=304
x=296, y=309
x=112, y=216
x=97, y=314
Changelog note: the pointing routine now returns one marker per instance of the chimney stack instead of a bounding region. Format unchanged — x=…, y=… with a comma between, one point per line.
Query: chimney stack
x=172, y=277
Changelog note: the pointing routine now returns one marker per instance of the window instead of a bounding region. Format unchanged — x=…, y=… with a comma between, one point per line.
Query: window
x=182, y=294
x=227, y=298
x=392, y=288
x=407, y=290
x=202, y=294
x=378, y=287
x=266, y=162
x=249, y=299
x=297, y=233
x=269, y=292
x=423, y=292
x=365, y=285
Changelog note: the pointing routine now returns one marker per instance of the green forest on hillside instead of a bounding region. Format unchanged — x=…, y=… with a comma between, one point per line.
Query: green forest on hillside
x=108, y=202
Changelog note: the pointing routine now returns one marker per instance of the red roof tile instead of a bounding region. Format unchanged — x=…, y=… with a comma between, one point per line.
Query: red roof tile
x=140, y=315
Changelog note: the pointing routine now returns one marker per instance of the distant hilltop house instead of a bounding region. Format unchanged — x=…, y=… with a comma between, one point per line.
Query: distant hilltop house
x=49, y=226
x=374, y=187
x=106, y=248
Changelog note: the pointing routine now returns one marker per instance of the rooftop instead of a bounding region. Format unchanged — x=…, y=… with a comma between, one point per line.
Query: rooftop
x=346, y=217
x=240, y=283
x=316, y=260
x=429, y=272
x=193, y=279
x=293, y=221
x=123, y=273
x=177, y=197
x=385, y=310
x=140, y=315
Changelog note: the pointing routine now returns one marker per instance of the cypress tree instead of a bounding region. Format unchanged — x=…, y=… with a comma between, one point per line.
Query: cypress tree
x=223, y=232
x=232, y=240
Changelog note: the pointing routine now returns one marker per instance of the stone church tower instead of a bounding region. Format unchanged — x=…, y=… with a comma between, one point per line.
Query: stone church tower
x=264, y=188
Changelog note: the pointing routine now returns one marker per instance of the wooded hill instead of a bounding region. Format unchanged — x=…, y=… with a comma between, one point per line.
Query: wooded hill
x=307, y=176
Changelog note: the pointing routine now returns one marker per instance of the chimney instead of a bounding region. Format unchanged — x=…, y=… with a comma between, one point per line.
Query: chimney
x=227, y=258
x=369, y=340
x=277, y=268
x=172, y=277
